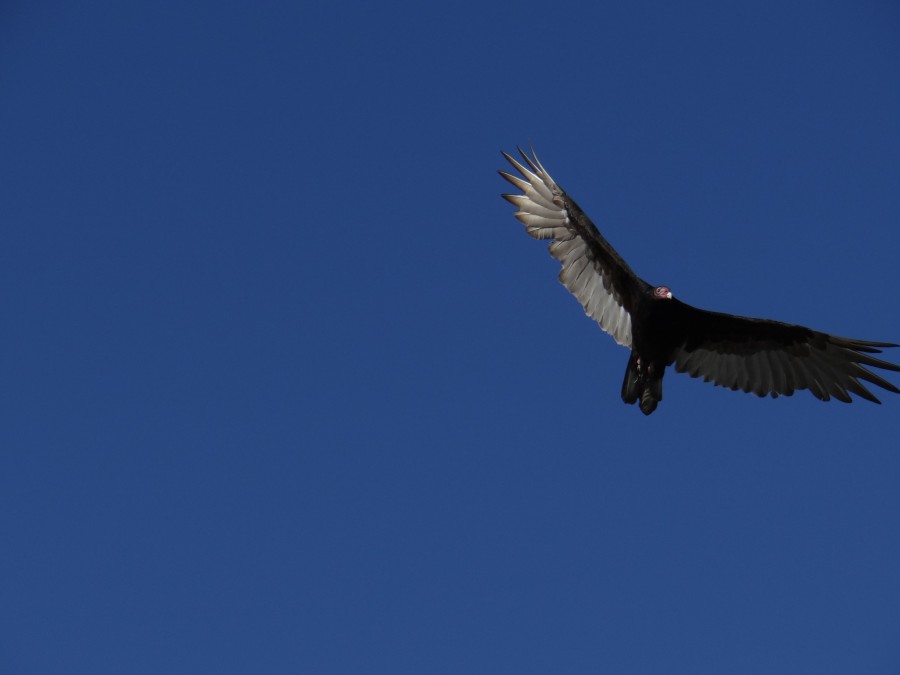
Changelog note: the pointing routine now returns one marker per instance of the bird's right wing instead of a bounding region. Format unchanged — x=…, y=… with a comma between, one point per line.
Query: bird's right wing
x=591, y=269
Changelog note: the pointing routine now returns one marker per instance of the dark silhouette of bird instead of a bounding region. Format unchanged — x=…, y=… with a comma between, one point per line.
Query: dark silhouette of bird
x=752, y=355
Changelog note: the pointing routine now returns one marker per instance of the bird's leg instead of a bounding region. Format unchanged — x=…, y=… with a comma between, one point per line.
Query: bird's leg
x=632, y=384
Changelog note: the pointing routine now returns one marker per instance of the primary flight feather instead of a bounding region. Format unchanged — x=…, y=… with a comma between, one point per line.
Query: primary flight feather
x=754, y=355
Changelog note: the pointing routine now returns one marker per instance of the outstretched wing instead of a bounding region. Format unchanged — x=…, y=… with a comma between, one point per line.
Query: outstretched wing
x=591, y=269
x=770, y=357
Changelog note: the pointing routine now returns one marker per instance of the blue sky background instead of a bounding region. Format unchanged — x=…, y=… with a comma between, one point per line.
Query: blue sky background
x=286, y=388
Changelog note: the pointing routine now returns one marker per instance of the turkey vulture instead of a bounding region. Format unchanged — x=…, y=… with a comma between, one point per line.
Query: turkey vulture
x=753, y=355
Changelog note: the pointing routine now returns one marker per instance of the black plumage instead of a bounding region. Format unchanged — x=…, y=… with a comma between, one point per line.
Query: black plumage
x=753, y=355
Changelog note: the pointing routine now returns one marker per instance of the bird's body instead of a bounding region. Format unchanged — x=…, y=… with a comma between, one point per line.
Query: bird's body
x=654, y=337
x=753, y=355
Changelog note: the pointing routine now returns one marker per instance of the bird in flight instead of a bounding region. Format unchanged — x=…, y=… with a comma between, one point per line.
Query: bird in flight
x=752, y=355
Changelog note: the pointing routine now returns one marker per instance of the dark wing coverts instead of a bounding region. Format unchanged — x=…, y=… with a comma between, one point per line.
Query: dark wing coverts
x=591, y=269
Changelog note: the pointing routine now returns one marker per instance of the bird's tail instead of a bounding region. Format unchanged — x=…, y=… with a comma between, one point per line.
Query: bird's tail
x=651, y=396
x=643, y=385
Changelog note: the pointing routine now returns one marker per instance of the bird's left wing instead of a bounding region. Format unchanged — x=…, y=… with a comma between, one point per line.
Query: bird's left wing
x=770, y=357
x=591, y=269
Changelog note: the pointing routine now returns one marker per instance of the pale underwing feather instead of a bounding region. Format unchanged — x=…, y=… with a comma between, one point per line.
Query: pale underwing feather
x=828, y=367
x=542, y=211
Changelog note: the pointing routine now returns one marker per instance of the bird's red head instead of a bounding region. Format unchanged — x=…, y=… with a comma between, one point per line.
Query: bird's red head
x=662, y=293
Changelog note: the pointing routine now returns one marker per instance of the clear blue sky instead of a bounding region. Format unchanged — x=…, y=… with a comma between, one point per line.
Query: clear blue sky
x=286, y=388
